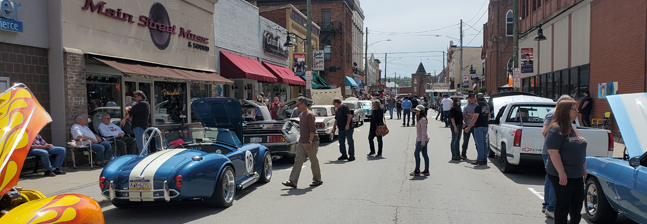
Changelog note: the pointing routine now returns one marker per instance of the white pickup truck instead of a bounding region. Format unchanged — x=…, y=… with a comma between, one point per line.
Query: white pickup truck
x=515, y=132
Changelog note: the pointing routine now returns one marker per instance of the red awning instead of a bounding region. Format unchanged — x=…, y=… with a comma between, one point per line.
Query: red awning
x=238, y=67
x=285, y=75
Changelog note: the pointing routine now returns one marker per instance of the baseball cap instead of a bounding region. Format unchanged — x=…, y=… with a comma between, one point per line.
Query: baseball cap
x=470, y=95
x=420, y=108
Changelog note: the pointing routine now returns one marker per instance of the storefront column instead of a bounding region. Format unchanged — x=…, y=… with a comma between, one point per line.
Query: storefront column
x=57, y=84
x=75, y=87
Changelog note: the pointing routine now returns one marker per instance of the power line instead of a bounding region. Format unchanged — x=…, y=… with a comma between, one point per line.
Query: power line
x=474, y=37
x=414, y=32
x=477, y=12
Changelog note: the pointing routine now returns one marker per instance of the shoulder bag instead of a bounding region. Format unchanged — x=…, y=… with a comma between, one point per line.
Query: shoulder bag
x=381, y=129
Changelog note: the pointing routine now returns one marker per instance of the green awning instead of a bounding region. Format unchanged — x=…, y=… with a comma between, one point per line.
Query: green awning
x=317, y=82
x=351, y=82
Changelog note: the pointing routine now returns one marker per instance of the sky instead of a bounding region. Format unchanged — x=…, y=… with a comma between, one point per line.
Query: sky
x=420, y=26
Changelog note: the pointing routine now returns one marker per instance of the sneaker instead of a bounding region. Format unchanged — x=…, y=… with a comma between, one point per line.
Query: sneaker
x=426, y=173
x=351, y=158
x=456, y=158
x=59, y=171
x=378, y=155
x=371, y=153
x=289, y=184
x=475, y=162
x=415, y=173
x=344, y=157
x=49, y=173
x=543, y=210
x=549, y=214
x=316, y=183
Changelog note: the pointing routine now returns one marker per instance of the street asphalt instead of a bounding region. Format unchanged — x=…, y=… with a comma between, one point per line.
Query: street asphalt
x=367, y=190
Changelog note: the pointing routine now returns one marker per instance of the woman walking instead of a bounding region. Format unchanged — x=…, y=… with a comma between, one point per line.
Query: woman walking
x=421, y=141
x=566, y=166
x=456, y=117
x=377, y=118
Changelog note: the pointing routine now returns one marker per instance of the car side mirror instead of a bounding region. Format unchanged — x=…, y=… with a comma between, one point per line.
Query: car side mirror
x=634, y=162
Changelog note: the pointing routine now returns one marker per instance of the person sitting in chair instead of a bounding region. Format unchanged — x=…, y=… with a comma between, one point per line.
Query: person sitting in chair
x=82, y=132
x=41, y=149
x=108, y=129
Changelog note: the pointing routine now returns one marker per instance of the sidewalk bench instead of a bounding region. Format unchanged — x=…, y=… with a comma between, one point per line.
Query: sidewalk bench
x=36, y=159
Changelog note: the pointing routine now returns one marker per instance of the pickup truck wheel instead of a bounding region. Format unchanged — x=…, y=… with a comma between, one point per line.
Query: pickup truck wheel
x=225, y=190
x=597, y=207
x=266, y=173
x=490, y=153
x=506, y=167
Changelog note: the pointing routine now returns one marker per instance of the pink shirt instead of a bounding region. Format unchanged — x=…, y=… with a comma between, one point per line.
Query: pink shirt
x=421, y=130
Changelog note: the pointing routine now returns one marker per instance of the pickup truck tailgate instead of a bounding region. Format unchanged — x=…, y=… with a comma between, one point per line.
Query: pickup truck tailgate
x=532, y=141
x=597, y=141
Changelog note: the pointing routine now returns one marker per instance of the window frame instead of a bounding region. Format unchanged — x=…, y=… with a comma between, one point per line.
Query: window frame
x=509, y=29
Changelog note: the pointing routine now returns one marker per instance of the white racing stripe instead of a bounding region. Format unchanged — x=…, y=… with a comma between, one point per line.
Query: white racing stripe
x=147, y=168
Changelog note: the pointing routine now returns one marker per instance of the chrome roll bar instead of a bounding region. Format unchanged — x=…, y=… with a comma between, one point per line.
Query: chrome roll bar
x=147, y=141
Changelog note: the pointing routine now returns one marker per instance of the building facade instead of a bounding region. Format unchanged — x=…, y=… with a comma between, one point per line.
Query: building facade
x=462, y=78
x=498, y=45
x=336, y=19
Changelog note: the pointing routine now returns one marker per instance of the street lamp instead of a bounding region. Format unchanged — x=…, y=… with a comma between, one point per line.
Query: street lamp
x=290, y=44
x=540, y=34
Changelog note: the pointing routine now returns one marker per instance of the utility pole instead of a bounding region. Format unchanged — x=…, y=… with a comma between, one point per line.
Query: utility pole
x=515, y=35
x=385, y=62
x=366, y=55
x=461, y=60
x=309, y=44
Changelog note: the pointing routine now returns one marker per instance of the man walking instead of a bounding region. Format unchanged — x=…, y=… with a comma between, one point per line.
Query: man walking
x=391, y=105
x=414, y=104
x=343, y=121
x=140, y=112
x=406, y=106
x=308, y=145
x=446, y=106
x=398, y=106
x=585, y=109
x=468, y=112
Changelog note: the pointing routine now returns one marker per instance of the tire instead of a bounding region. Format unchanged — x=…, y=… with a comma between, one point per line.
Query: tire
x=506, y=167
x=490, y=153
x=225, y=190
x=330, y=137
x=266, y=172
x=598, y=209
x=122, y=204
x=362, y=123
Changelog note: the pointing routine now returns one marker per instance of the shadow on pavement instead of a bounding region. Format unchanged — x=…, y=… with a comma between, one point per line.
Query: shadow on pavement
x=418, y=178
x=296, y=191
x=283, y=164
x=190, y=210
x=373, y=158
x=336, y=162
x=527, y=175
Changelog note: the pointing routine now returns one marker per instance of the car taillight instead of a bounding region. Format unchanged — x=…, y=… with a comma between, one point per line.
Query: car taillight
x=320, y=125
x=517, y=138
x=102, y=182
x=611, y=142
x=168, y=118
x=178, y=181
x=275, y=138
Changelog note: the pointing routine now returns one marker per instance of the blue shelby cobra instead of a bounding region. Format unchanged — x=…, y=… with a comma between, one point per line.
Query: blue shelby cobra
x=616, y=185
x=207, y=164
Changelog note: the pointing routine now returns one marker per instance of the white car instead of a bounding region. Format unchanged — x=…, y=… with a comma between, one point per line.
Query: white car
x=515, y=133
x=325, y=121
x=355, y=109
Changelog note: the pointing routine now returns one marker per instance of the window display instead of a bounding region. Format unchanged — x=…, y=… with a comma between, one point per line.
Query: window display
x=170, y=102
x=199, y=91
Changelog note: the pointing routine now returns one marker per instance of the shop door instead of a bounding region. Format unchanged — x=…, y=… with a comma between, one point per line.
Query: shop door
x=134, y=85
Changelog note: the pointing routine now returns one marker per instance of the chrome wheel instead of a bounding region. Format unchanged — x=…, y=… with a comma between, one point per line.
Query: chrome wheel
x=268, y=166
x=228, y=186
x=592, y=199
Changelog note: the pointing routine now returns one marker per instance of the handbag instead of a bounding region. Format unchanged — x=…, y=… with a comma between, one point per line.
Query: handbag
x=381, y=129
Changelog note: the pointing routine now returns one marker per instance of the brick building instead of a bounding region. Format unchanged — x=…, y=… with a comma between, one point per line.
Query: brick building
x=341, y=23
x=420, y=81
x=497, y=44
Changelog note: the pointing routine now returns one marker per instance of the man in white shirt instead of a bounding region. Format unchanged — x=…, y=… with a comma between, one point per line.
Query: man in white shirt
x=110, y=130
x=447, y=105
x=80, y=131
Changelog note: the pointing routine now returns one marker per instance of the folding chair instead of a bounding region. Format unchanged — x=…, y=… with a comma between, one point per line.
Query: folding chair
x=85, y=149
x=604, y=120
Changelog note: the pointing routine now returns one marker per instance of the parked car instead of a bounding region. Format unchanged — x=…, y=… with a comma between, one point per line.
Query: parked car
x=208, y=163
x=367, y=106
x=617, y=185
x=515, y=133
x=280, y=136
x=95, y=117
x=325, y=121
x=356, y=110
x=161, y=113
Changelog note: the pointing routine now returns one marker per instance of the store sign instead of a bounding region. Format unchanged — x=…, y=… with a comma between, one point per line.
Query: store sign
x=299, y=64
x=466, y=81
x=516, y=78
x=78, y=101
x=526, y=60
x=309, y=80
x=439, y=86
x=170, y=92
x=9, y=16
x=318, y=57
x=273, y=45
x=157, y=22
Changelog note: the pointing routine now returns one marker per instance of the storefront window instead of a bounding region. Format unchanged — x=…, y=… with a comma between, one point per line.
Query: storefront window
x=584, y=80
x=170, y=102
x=565, y=83
x=557, y=78
x=573, y=83
x=103, y=97
x=199, y=91
x=524, y=84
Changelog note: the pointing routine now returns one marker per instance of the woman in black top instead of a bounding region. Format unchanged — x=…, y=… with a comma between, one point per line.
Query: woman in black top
x=398, y=106
x=377, y=118
x=456, y=116
x=566, y=166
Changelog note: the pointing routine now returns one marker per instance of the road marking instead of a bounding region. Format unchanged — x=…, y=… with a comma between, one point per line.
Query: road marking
x=539, y=195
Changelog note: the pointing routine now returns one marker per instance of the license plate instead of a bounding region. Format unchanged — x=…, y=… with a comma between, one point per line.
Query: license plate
x=255, y=139
x=140, y=184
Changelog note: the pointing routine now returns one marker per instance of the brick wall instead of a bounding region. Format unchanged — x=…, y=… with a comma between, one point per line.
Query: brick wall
x=497, y=46
x=278, y=16
x=75, y=86
x=28, y=65
x=615, y=57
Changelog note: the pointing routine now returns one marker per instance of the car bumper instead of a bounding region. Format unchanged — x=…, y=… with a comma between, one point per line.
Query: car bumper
x=140, y=195
x=281, y=148
x=531, y=159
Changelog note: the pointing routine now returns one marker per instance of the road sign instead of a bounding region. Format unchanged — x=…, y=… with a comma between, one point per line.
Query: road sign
x=309, y=80
x=516, y=78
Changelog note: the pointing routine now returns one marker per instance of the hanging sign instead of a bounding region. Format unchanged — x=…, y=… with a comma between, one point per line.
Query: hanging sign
x=318, y=57
x=299, y=64
x=526, y=60
x=309, y=80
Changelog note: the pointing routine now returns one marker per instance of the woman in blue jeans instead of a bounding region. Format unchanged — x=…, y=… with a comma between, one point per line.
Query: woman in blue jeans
x=421, y=141
x=456, y=126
